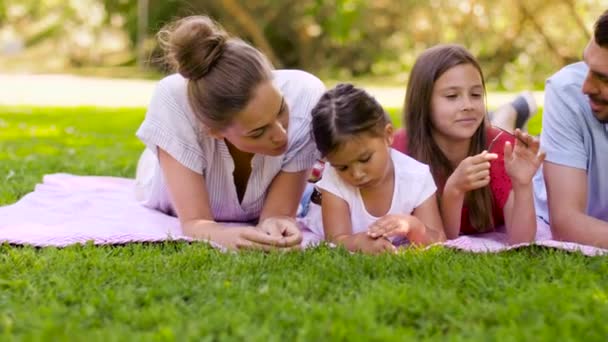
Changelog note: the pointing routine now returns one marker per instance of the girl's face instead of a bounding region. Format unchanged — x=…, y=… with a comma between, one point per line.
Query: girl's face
x=364, y=161
x=261, y=127
x=457, y=103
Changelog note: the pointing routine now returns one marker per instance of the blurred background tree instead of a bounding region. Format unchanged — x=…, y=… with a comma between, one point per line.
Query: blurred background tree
x=518, y=42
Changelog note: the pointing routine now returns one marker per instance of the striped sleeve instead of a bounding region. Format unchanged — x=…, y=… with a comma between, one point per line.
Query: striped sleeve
x=167, y=125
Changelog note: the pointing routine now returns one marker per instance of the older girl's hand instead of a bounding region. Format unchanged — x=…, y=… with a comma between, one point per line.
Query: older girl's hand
x=472, y=173
x=523, y=160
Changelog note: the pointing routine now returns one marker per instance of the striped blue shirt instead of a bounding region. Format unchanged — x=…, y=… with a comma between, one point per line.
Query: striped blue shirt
x=171, y=125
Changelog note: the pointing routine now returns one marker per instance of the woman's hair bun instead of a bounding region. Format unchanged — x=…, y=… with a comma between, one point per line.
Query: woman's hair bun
x=192, y=45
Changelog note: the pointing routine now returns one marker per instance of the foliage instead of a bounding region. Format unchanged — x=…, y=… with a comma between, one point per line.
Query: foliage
x=519, y=43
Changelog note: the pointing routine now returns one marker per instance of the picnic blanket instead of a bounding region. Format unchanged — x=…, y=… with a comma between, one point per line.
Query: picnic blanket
x=66, y=209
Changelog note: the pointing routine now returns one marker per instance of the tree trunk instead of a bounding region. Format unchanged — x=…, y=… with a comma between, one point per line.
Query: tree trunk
x=577, y=18
x=538, y=28
x=142, y=32
x=251, y=27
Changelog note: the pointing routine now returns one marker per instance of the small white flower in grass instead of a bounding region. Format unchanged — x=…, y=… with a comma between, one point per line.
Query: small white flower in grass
x=10, y=175
x=263, y=289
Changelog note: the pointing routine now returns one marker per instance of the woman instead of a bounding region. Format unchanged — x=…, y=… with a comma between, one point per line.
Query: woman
x=228, y=139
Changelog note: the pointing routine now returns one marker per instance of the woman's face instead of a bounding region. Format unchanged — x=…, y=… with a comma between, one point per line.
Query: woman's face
x=261, y=127
x=457, y=103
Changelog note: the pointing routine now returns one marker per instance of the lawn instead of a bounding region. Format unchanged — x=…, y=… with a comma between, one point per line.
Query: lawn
x=180, y=291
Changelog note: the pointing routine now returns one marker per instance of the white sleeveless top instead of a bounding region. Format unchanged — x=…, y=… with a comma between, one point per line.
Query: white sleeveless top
x=414, y=184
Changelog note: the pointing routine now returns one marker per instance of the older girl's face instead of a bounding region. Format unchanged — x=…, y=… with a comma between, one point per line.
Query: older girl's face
x=261, y=127
x=457, y=103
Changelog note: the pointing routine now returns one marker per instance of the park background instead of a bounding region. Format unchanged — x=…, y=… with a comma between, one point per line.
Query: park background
x=75, y=78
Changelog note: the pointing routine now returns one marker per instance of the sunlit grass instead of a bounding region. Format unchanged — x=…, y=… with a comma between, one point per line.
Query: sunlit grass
x=88, y=141
x=179, y=291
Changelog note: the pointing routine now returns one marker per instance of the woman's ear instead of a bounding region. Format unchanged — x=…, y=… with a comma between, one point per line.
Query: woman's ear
x=389, y=133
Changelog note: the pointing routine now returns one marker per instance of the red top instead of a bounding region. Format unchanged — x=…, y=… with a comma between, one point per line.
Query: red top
x=500, y=183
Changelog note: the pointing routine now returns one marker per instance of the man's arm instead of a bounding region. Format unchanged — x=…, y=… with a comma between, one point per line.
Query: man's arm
x=567, y=200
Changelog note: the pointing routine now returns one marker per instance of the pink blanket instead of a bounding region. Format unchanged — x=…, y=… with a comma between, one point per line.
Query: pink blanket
x=496, y=242
x=67, y=209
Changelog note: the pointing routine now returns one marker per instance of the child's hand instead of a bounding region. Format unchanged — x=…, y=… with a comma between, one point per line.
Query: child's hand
x=283, y=227
x=364, y=243
x=522, y=161
x=472, y=173
x=394, y=225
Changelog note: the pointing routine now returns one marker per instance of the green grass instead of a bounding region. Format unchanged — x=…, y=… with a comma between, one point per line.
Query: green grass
x=179, y=291
x=37, y=141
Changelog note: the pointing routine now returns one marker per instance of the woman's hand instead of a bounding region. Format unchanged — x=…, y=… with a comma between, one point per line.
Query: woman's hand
x=273, y=234
x=249, y=238
x=523, y=160
x=472, y=173
x=284, y=228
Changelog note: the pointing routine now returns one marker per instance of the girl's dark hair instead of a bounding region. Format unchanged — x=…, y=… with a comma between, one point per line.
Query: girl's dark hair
x=342, y=113
x=429, y=66
x=222, y=71
x=601, y=30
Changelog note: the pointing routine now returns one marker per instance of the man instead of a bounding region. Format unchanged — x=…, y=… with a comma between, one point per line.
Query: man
x=575, y=137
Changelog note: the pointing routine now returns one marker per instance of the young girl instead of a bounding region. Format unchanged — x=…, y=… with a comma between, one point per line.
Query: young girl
x=228, y=139
x=370, y=192
x=484, y=174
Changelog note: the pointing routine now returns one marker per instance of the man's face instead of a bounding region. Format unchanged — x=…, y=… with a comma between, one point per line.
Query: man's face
x=596, y=83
